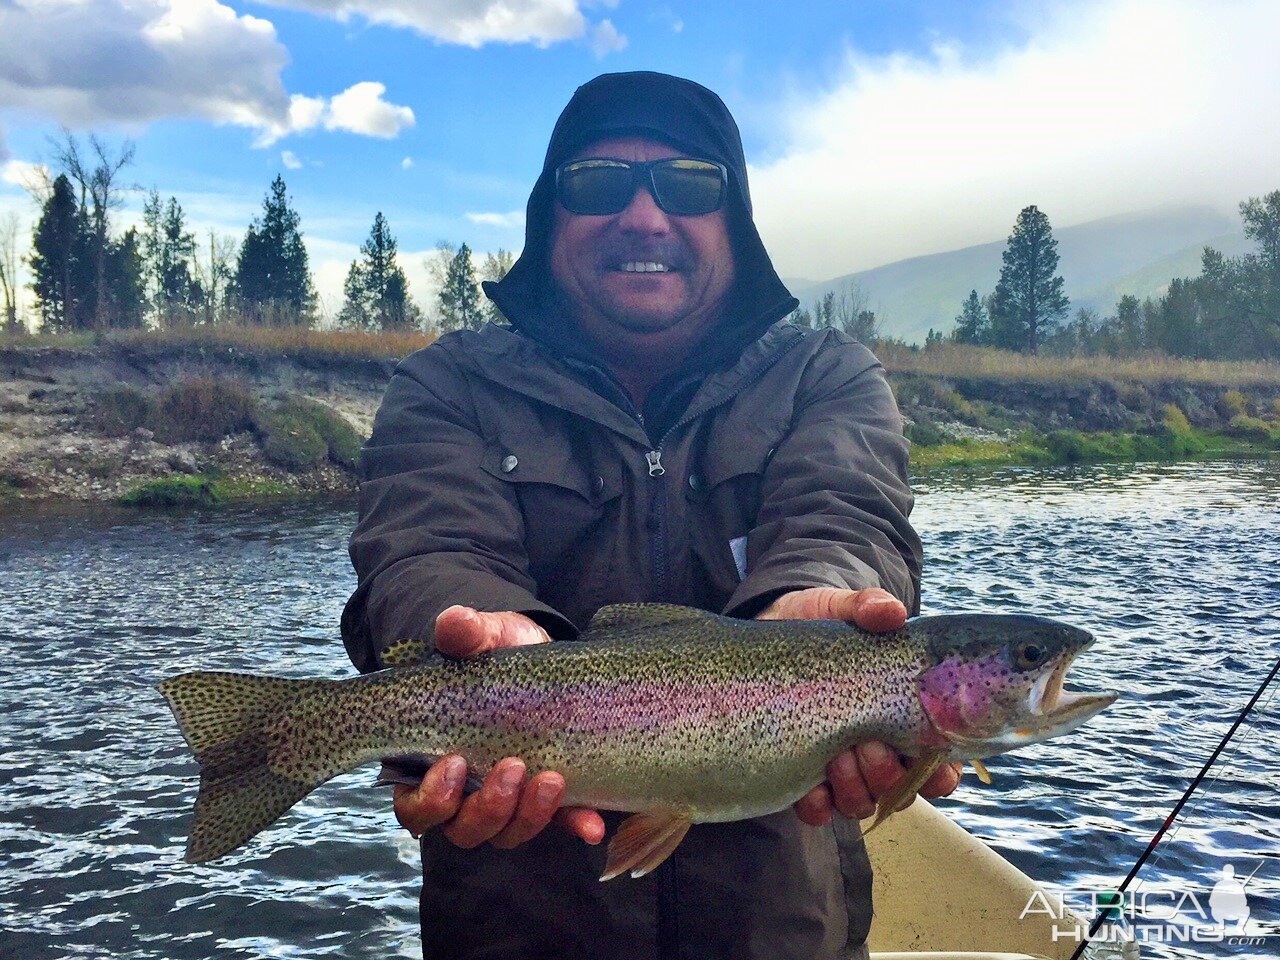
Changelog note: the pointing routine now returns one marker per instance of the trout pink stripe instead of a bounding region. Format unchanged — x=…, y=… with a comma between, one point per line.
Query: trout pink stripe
x=601, y=708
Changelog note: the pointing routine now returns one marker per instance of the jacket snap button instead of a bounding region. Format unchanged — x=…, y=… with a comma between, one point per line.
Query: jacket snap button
x=598, y=485
x=509, y=463
x=695, y=482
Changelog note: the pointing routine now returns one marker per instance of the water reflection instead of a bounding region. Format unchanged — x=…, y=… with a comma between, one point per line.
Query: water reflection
x=1176, y=568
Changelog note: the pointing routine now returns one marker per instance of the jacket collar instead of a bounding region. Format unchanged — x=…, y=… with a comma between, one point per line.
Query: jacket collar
x=512, y=360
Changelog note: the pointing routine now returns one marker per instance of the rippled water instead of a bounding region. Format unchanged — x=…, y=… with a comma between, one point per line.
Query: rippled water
x=1175, y=567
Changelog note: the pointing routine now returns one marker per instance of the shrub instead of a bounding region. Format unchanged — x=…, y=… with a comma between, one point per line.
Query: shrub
x=925, y=434
x=300, y=434
x=204, y=409
x=1232, y=404
x=120, y=409
x=1249, y=428
x=1178, y=434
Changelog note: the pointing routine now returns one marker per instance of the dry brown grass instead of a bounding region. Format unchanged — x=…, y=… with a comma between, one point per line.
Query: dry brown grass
x=960, y=360
x=247, y=339
x=284, y=340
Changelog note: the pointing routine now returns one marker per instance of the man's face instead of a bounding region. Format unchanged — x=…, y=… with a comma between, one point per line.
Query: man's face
x=594, y=259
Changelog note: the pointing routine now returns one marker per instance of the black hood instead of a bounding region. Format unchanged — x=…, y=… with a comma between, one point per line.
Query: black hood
x=691, y=118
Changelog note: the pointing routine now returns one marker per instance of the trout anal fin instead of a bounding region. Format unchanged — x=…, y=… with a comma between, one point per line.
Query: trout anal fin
x=981, y=770
x=643, y=841
x=904, y=791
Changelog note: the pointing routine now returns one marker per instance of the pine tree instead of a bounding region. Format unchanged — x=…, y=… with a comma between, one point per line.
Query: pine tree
x=125, y=279
x=168, y=252
x=459, y=296
x=1029, y=300
x=61, y=262
x=273, y=276
x=494, y=269
x=972, y=325
x=376, y=291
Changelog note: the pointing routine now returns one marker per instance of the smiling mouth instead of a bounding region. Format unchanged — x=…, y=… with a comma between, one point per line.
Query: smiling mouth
x=644, y=266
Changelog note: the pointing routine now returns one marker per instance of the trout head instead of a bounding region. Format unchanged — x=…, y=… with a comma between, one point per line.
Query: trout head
x=996, y=681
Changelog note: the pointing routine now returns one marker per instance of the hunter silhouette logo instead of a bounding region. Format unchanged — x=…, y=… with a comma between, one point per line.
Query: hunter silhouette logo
x=1228, y=901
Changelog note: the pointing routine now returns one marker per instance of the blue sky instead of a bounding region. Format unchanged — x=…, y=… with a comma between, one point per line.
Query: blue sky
x=875, y=130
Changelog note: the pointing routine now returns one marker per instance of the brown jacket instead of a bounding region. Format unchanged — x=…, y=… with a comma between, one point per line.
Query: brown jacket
x=504, y=479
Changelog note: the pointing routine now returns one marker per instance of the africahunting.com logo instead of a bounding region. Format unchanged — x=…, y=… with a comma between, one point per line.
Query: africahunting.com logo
x=1168, y=914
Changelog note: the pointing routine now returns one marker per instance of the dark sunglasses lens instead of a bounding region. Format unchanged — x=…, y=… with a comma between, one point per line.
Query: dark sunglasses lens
x=593, y=188
x=688, y=188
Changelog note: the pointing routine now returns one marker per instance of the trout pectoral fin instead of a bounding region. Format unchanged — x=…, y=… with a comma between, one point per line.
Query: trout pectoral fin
x=643, y=841
x=981, y=770
x=904, y=791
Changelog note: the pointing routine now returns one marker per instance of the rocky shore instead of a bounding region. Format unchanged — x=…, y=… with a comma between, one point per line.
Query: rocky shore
x=165, y=422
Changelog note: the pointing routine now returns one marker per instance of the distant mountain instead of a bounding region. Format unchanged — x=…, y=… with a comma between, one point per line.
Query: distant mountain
x=1099, y=261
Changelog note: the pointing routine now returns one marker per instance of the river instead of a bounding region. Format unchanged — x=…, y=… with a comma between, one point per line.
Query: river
x=1175, y=567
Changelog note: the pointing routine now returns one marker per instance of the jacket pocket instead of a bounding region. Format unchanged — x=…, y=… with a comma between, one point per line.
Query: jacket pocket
x=565, y=500
x=724, y=491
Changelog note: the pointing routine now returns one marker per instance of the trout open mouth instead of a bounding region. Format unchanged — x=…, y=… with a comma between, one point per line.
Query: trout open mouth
x=1063, y=709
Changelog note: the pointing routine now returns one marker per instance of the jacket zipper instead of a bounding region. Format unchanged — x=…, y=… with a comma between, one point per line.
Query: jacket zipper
x=668, y=932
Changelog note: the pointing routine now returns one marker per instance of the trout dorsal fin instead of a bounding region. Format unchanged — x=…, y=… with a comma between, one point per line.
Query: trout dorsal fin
x=643, y=616
x=405, y=653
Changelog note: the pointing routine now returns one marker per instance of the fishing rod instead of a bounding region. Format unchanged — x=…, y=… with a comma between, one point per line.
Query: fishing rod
x=1177, y=808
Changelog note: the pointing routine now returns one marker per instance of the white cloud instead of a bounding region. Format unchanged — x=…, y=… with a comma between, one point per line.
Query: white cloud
x=471, y=23
x=290, y=160
x=361, y=109
x=406, y=163
x=515, y=218
x=89, y=62
x=1106, y=108
x=605, y=39
x=21, y=173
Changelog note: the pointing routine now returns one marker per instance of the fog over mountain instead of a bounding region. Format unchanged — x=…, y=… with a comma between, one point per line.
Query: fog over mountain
x=1136, y=253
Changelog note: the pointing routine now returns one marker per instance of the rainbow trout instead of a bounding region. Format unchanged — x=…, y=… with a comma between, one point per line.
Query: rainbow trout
x=675, y=714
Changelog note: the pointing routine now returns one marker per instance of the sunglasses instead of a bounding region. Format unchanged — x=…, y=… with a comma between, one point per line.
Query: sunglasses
x=680, y=187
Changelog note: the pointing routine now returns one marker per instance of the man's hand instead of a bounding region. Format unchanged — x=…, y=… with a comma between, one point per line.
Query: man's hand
x=857, y=777
x=506, y=810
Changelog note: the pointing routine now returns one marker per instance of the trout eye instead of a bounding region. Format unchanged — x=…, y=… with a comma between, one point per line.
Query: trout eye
x=1029, y=655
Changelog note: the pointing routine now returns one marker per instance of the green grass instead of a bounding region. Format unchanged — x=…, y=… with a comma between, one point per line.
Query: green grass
x=300, y=434
x=205, y=490
x=1072, y=446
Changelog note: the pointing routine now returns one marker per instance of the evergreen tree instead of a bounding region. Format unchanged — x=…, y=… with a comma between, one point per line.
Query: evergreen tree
x=125, y=279
x=61, y=263
x=273, y=276
x=1029, y=300
x=494, y=269
x=933, y=339
x=376, y=291
x=971, y=324
x=168, y=251
x=459, y=296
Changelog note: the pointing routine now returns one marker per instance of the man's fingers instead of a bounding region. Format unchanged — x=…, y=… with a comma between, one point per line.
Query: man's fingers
x=462, y=632
x=875, y=610
x=433, y=801
x=485, y=813
x=944, y=780
x=581, y=822
x=848, y=788
x=880, y=767
x=814, y=808
x=538, y=803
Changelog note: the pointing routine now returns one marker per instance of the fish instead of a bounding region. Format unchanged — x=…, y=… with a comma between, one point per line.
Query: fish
x=673, y=714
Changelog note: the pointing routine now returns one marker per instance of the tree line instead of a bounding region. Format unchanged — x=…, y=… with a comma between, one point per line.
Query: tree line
x=85, y=275
x=1231, y=310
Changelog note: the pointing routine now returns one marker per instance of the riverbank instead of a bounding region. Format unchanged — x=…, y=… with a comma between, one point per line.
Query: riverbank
x=208, y=416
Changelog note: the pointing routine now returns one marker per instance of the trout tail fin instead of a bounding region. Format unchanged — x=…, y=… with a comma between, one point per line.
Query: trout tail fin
x=225, y=718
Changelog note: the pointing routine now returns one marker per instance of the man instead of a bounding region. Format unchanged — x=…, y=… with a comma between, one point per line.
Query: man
x=648, y=429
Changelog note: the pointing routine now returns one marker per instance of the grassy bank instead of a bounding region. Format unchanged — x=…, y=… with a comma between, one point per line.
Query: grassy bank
x=205, y=416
